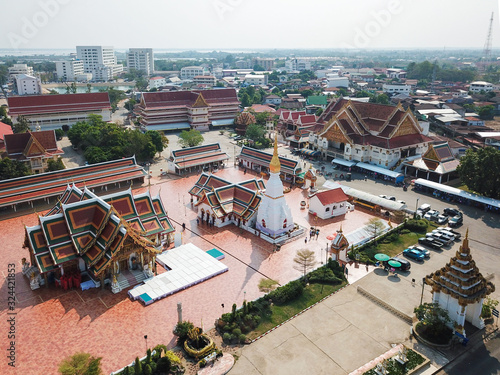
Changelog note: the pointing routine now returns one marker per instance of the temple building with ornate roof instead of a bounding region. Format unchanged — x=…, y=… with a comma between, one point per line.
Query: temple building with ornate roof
x=221, y=202
x=460, y=288
x=377, y=134
x=99, y=237
x=197, y=109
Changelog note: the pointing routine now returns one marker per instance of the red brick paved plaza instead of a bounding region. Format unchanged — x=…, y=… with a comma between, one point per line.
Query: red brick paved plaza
x=52, y=324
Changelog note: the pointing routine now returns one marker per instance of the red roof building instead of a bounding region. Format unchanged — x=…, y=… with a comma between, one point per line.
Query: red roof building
x=53, y=111
x=329, y=203
x=197, y=109
x=35, y=149
x=371, y=133
x=5, y=129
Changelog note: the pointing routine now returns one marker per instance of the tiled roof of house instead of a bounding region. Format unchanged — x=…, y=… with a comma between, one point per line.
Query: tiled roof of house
x=332, y=196
x=4, y=130
x=16, y=144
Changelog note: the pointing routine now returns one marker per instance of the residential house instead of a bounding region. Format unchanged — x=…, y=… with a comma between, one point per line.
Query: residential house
x=256, y=79
x=189, y=72
x=157, y=82
x=395, y=88
x=478, y=86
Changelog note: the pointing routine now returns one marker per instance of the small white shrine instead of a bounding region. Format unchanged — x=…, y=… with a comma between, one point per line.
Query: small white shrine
x=460, y=288
x=274, y=217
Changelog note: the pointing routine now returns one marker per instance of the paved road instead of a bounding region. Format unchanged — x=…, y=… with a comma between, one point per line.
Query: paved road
x=482, y=360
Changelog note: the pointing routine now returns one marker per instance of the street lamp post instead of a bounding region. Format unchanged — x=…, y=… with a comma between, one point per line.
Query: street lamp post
x=146, y=338
x=416, y=207
x=422, y=295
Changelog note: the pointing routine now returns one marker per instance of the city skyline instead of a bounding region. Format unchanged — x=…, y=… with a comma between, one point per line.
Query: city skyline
x=256, y=25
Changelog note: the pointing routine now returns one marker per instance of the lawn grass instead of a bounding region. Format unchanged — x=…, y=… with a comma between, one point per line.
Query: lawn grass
x=312, y=294
x=403, y=241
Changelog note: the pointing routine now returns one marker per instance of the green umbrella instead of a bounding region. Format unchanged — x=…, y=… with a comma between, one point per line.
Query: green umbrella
x=382, y=257
x=394, y=263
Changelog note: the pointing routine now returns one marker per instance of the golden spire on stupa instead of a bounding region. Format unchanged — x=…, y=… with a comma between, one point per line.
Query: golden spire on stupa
x=275, y=166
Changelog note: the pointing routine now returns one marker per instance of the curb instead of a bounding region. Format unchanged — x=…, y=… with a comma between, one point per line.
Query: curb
x=299, y=313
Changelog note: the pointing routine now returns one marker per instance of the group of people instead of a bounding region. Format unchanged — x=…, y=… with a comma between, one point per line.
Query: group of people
x=312, y=232
x=68, y=281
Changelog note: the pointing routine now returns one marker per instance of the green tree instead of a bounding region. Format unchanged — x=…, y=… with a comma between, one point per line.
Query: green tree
x=147, y=370
x=163, y=365
x=159, y=140
x=89, y=88
x=245, y=100
x=304, y=261
x=80, y=364
x=190, y=138
x=319, y=111
x=433, y=323
x=488, y=305
x=22, y=125
x=3, y=116
x=114, y=96
x=138, y=366
x=374, y=226
x=141, y=84
x=59, y=134
x=181, y=330
x=255, y=132
x=486, y=112
x=480, y=171
x=55, y=165
x=129, y=105
x=12, y=169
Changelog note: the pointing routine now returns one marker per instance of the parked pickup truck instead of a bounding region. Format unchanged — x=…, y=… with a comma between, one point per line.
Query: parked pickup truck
x=429, y=242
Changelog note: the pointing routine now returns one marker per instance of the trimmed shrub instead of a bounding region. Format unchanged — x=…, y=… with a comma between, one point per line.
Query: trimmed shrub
x=147, y=370
x=324, y=275
x=181, y=331
x=227, y=338
x=174, y=359
x=405, y=231
x=287, y=292
x=242, y=338
x=236, y=332
x=419, y=226
x=163, y=365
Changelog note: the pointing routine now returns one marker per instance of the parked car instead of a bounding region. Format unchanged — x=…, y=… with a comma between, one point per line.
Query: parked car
x=442, y=219
x=443, y=236
x=423, y=209
x=423, y=250
x=446, y=233
x=454, y=232
x=431, y=215
x=439, y=237
x=452, y=211
x=413, y=254
x=456, y=221
x=405, y=265
x=429, y=242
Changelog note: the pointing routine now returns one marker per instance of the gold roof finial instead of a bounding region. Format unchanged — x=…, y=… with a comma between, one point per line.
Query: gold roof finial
x=275, y=166
x=340, y=230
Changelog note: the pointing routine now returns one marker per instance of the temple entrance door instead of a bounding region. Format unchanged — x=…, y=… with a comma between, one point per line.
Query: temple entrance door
x=123, y=265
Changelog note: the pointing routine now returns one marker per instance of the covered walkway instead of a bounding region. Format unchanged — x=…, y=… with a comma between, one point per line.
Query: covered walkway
x=379, y=172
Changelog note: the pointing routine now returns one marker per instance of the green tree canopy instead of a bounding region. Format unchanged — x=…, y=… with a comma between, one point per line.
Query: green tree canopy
x=81, y=364
x=55, y=165
x=114, y=96
x=12, y=169
x=22, y=125
x=102, y=141
x=190, y=138
x=486, y=112
x=480, y=171
x=3, y=116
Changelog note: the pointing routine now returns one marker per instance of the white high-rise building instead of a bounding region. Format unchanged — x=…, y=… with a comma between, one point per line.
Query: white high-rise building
x=293, y=65
x=100, y=61
x=141, y=59
x=274, y=216
x=28, y=85
x=19, y=69
x=69, y=70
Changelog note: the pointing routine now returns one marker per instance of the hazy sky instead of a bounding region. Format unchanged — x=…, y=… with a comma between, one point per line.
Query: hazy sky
x=248, y=24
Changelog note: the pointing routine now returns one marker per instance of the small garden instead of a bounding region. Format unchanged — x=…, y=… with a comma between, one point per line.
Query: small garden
x=434, y=323
x=256, y=317
x=393, y=242
x=394, y=367
x=196, y=344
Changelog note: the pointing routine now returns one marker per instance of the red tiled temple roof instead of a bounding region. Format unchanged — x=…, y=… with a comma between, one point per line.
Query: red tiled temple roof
x=40, y=104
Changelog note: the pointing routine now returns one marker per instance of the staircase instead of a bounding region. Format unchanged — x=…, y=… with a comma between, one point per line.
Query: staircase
x=408, y=319
x=129, y=278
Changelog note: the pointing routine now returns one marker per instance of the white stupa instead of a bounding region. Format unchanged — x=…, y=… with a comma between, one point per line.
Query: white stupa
x=274, y=216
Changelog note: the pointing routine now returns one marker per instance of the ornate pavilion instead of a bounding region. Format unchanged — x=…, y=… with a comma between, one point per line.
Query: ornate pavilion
x=460, y=288
x=100, y=236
